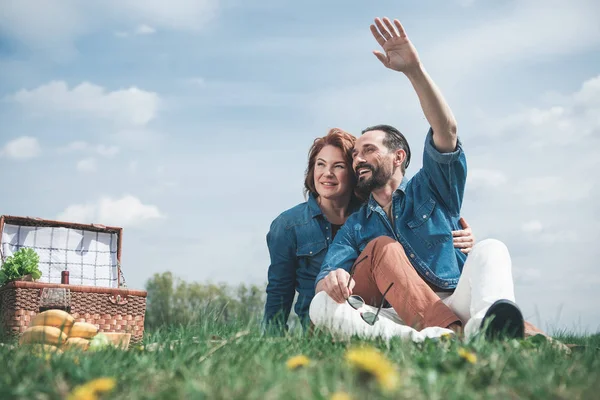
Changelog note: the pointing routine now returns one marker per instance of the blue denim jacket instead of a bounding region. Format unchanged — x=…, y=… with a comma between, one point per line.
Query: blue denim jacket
x=425, y=209
x=298, y=241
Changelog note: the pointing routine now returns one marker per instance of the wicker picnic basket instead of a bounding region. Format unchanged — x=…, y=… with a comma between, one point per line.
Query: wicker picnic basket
x=96, y=292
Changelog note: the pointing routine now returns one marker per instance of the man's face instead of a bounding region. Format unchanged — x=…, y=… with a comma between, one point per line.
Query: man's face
x=372, y=161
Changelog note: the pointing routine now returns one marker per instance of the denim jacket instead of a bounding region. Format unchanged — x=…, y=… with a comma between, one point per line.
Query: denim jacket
x=425, y=209
x=298, y=241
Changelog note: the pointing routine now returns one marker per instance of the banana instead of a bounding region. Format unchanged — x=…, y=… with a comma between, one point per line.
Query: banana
x=83, y=330
x=76, y=343
x=43, y=335
x=56, y=318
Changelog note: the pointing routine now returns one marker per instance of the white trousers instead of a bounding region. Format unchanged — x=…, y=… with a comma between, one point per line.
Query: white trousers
x=486, y=277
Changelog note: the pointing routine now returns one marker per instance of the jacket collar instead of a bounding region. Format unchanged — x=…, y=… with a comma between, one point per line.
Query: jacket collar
x=372, y=204
x=313, y=206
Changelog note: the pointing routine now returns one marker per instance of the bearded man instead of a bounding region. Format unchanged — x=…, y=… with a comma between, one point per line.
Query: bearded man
x=400, y=241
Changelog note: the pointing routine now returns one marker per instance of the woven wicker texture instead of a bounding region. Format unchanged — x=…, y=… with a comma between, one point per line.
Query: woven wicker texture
x=113, y=310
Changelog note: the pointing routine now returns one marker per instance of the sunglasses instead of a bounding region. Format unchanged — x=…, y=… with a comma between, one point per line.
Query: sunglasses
x=357, y=302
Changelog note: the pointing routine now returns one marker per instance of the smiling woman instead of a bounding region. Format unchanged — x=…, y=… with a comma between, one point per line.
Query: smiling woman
x=299, y=237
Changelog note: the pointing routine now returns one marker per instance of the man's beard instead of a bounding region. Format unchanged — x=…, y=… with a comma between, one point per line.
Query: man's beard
x=379, y=177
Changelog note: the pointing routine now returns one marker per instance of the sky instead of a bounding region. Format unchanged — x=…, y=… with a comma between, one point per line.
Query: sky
x=188, y=123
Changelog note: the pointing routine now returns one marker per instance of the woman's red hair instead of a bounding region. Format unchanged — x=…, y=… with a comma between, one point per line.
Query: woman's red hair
x=335, y=137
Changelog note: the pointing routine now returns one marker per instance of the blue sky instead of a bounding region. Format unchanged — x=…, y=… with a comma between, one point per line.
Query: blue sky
x=188, y=123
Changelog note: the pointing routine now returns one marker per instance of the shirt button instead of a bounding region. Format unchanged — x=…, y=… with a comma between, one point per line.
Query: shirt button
x=412, y=255
x=446, y=284
x=326, y=227
x=424, y=216
x=310, y=252
x=327, y=238
x=427, y=273
x=396, y=216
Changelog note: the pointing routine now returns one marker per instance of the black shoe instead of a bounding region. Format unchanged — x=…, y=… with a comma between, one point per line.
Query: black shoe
x=507, y=321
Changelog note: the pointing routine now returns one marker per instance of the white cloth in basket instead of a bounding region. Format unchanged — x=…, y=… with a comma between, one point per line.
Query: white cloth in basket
x=90, y=257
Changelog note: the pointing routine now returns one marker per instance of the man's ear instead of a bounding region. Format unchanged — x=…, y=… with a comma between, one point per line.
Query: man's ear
x=399, y=157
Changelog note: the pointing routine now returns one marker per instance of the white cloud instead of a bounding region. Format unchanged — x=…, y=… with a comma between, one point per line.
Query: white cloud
x=126, y=211
x=534, y=226
x=21, y=148
x=478, y=179
x=87, y=165
x=144, y=30
x=130, y=106
x=56, y=24
x=552, y=190
x=527, y=34
x=85, y=147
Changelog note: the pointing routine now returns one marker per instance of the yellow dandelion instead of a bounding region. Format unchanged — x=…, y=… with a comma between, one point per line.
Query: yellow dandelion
x=446, y=337
x=371, y=361
x=340, y=396
x=91, y=390
x=297, y=362
x=467, y=355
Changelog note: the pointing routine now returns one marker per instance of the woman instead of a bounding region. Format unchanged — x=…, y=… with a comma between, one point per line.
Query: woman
x=299, y=237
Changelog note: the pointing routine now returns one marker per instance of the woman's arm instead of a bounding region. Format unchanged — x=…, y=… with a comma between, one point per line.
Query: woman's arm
x=282, y=275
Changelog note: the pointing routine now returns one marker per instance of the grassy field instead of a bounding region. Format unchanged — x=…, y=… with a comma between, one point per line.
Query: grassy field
x=234, y=362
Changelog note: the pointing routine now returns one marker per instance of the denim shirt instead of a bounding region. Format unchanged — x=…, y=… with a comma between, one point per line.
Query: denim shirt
x=298, y=241
x=425, y=209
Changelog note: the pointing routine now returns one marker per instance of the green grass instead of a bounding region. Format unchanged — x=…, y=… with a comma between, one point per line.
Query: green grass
x=207, y=361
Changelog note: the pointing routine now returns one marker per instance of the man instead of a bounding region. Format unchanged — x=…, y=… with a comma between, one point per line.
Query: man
x=405, y=228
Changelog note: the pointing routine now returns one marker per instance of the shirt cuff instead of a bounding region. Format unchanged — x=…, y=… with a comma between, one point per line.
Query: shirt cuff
x=441, y=158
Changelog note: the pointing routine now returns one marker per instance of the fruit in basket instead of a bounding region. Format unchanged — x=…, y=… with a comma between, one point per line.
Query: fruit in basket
x=99, y=342
x=83, y=330
x=77, y=343
x=43, y=335
x=56, y=318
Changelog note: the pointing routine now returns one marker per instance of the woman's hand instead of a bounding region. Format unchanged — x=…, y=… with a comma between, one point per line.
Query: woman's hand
x=464, y=239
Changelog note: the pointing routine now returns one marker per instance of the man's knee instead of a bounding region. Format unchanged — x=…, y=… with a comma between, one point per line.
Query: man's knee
x=490, y=246
x=491, y=249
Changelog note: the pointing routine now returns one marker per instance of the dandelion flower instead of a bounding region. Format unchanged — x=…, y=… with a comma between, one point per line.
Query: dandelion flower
x=91, y=390
x=340, y=396
x=467, y=355
x=371, y=361
x=297, y=362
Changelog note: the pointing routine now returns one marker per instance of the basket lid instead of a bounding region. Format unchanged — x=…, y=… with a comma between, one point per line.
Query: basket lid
x=90, y=252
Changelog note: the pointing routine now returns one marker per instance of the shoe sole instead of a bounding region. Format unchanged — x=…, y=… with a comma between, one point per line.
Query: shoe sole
x=507, y=321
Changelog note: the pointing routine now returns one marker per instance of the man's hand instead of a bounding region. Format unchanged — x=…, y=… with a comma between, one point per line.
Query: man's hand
x=400, y=54
x=335, y=284
x=464, y=239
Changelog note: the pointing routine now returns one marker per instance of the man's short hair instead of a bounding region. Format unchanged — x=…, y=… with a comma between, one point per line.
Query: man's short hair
x=394, y=140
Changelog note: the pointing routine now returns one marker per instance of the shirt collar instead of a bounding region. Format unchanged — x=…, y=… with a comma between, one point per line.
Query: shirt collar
x=372, y=204
x=313, y=206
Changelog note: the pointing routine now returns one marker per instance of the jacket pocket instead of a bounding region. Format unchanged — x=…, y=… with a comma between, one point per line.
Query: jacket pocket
x=430, y=224
x=310, y=249
x=422, y=215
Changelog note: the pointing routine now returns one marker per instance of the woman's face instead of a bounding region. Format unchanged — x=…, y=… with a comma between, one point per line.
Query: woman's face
x=333, y=177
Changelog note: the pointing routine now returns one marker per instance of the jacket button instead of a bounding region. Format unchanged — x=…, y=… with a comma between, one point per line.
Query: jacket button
x=424, y=216
x=446, y=284
x=412, y=255
x=310, y=252
x=427, y=273
x=327, y=238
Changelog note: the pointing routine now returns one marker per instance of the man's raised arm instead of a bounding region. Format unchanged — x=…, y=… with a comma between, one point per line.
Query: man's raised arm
x=401, y=55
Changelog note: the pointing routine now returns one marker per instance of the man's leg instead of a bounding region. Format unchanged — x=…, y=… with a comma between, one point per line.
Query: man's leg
x=486, y=277
x=414, y=301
